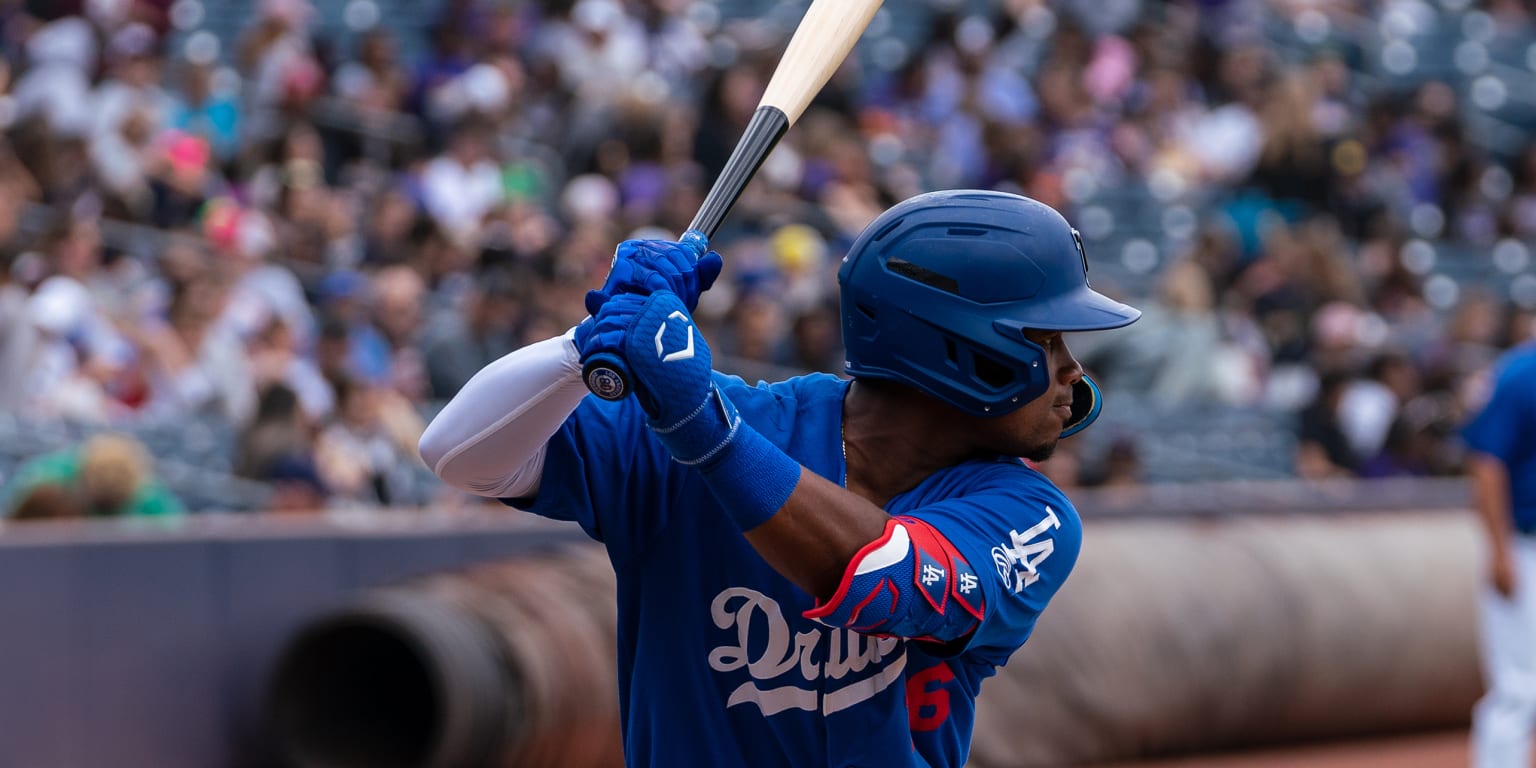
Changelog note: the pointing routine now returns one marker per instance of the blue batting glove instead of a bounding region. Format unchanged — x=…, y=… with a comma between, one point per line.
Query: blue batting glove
x=585, y=335
x=646, y=266
x=669, y=368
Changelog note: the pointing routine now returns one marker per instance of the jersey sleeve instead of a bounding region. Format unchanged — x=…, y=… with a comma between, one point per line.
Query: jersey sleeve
x=1021, y=541
x=1495, y=430
x=605, y=471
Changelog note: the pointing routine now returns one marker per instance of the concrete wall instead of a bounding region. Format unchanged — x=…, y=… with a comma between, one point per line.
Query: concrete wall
x=131, y=646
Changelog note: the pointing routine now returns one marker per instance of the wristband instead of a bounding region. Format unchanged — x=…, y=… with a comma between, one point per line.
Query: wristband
x=751, y=478
x=701, y=434
x=746, y=472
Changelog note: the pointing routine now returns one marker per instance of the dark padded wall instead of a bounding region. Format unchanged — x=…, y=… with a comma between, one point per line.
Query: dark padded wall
x=126, y=647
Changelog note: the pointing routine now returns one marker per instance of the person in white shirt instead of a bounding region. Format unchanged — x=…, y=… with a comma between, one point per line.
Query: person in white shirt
x=462, y=185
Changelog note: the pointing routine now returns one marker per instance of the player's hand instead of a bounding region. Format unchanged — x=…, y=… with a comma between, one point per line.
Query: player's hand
x=666, y=354
x=604, y=331
x=644, y=267
x=669, y=369
x=1501, y=572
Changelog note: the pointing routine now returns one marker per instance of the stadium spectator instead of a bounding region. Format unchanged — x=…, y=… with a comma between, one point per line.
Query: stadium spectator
x=1372, y=403
x=399, y=296
x=358, y=456
x=203, y=108
x=374, y=81
x=195, y=367
x=262, y=291
x=129, y=111
x=1176, y=356
x=277, y=58
x=54, y=88
x=487, y=327
x=1322, y=449
x=78, y=354
x=109, y=475
x=463, y=184
x=276, y=359
x=278, y=444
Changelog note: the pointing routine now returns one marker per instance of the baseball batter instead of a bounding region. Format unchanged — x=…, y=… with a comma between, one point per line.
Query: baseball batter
x=816, y=571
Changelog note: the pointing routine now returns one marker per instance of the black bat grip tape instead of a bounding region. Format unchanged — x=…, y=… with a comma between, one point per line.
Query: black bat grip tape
x=604, y=372
x=763, y=132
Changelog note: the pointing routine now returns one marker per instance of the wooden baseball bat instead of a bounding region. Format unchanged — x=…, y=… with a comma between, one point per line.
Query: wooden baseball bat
x=820, y=43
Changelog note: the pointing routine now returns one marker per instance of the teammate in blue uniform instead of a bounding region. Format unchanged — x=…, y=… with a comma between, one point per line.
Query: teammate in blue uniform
x=814, y=572
x=1502, y=468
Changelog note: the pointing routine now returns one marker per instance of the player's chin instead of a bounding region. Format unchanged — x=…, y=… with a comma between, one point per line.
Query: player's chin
x=1041, y=452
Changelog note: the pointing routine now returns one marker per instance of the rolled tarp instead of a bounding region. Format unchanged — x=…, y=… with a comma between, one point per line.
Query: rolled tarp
x=507, y=664
x=1172, y=636
x=1178, y=636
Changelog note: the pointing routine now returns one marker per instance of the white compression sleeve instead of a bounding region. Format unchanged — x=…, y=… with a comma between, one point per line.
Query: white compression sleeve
x=489, y=439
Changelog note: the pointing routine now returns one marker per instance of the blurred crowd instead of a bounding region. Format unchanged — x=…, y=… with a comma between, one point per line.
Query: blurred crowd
x=314, y=228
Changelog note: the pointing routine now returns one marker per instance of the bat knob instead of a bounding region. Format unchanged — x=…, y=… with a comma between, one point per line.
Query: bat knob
x=605, y=376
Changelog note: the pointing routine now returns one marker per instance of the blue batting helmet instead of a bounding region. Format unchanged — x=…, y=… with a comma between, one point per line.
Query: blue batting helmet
x=937, y=292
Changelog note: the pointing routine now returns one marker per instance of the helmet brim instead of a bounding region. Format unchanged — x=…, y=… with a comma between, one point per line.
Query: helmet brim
x=1081, y=310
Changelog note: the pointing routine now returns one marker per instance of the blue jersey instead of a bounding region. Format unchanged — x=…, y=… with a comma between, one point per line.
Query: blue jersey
x=1505, y=429
x=717, y=664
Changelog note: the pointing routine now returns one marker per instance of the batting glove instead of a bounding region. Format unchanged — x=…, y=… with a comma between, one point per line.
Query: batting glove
x=646, y=266
x=669, y=367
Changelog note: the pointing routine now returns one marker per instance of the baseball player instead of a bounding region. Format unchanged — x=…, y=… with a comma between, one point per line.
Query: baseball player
x=815, y=571
x=1502, y=469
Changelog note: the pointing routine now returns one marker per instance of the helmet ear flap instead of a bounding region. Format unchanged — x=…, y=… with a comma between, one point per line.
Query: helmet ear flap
x=1028, y=360
x=1087, y=402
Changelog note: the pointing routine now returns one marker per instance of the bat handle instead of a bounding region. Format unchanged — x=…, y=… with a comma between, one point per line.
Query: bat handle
x=604, y=372
x=606, y=376
x=763, y=132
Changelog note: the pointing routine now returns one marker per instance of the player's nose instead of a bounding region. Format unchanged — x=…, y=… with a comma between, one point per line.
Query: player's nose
x=1068, y=370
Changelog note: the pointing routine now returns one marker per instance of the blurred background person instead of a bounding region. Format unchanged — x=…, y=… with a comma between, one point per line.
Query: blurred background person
x=365, y=454
x=278, y=447
x=1502, y=471
x=109, y=475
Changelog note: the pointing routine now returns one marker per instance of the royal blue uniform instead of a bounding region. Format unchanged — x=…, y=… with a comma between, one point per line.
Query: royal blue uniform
x=1502, y=430
x=717, y=664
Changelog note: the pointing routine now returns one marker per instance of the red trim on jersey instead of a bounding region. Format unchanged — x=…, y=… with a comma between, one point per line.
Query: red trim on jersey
x=826, y=609
x=874, y=593
x=977, y=608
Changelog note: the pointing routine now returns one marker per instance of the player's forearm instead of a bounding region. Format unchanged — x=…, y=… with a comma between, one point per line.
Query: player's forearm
x=869, y=572
x=804, y=526
x=816, y=533
x=1490, y=497
x=490, y=438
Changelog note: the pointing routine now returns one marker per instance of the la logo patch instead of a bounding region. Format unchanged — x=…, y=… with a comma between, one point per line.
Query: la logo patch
x=1018, y=559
